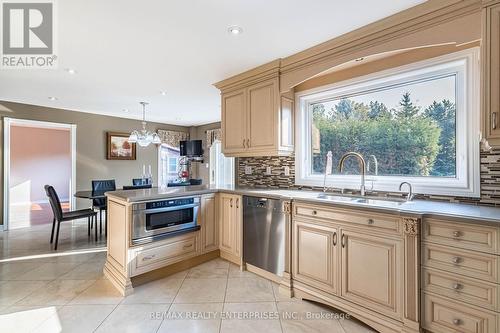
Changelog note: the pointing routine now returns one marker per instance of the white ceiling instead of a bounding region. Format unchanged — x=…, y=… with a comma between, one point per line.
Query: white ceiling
x=128, y=51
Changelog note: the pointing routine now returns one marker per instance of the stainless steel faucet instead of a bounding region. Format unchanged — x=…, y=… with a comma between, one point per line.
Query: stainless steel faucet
x=362, y=167
x=409, y=196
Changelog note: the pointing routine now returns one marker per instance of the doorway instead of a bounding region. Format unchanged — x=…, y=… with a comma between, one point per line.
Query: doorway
x=36, y=153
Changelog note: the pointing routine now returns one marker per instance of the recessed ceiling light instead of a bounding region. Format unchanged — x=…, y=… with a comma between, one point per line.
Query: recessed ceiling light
x=235, y=30
x=52, y=98
x=360, y=59
x=125, y=110
x=163, y=93
x=70, y=71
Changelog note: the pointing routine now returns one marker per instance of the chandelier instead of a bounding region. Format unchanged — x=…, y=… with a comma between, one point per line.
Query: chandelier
x=144, y=137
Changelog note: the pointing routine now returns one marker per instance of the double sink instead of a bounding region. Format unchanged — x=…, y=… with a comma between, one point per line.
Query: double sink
x=393, y=202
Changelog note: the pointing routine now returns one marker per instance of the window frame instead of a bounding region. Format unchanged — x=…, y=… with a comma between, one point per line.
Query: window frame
x=465, y=64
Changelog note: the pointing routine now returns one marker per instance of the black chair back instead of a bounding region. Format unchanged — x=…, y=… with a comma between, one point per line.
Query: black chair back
x=99, y=187
x=137, y=187
x=55, y=203
x=139, y=181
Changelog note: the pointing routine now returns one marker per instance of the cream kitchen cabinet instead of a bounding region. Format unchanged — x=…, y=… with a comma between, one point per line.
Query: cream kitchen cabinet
x=230, y=234
x=256, y=119
x=315, y=259
x=209, y=226
x=360, y=262
x=372, y=271
x=491, y=71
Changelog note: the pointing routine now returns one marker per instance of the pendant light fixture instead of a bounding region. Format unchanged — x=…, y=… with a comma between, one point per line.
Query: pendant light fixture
x=144, y=137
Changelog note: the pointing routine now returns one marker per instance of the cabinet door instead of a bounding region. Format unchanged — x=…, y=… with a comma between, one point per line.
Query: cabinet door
x=234, y=121
x=315, y=256
x=491, y=72
x=209, y=224
x=371, y=271
x=226, y=227
x=262, y=114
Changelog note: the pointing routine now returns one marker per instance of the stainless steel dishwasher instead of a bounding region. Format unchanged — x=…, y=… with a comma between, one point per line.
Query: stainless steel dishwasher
x=264, y=224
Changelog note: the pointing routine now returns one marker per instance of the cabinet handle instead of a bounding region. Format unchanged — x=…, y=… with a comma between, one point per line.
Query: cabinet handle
x=187, y=246
x=494, y=120
x=148, y=257
x=248, y=143
x=314, y=212
x=457, y=286
x=231, y=202
x=371, y=221
x=457, y=234
x=244, y=143
x=334, y=238
x=456, y=260
x=342, y=240
x=457, y=322
x=237, y=202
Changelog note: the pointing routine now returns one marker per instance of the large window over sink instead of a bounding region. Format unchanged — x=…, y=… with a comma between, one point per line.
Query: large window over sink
x=417, y=123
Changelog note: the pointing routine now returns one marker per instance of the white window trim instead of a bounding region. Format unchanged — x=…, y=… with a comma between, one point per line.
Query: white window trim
x=465, y=64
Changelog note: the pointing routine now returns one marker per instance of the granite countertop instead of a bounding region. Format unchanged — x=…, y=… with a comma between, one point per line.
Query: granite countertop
x=415, y=207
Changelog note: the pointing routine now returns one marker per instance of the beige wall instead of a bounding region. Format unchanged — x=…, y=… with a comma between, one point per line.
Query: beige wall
x=91, y=131
x=39, y=156
x=200, y=170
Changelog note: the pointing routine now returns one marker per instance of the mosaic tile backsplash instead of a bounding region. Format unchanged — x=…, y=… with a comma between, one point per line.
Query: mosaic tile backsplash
x=490, y=178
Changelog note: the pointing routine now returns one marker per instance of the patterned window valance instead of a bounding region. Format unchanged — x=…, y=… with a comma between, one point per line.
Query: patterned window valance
x=172, y=138
x=212, y=135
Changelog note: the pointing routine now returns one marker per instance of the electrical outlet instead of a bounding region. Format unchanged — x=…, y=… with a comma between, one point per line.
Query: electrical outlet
x=287, y=170
x=268, y=171
x=248, y=170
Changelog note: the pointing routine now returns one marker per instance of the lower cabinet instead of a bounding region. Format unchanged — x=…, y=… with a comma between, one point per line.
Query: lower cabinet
x=372, y=271
x=230, y=219
x=209, y=226
x=315, y=260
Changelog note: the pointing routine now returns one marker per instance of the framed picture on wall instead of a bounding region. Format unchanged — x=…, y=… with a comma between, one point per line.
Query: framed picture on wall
x=118, y=147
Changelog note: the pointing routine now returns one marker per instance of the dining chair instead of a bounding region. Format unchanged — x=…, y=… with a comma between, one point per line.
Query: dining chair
x=101, y=186
x=60, y=216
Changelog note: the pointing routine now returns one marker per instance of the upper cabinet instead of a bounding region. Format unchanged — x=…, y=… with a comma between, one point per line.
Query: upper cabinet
x=256, y=119
x=491, y=71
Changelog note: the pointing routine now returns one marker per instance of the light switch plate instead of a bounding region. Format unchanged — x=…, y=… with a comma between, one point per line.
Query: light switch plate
x=248, y=170
x=287, y=170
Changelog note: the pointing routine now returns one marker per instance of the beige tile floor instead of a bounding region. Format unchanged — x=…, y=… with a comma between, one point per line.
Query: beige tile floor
x=44, y=291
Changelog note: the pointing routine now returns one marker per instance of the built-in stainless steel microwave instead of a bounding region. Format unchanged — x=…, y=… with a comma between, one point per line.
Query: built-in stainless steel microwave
x=157, y=219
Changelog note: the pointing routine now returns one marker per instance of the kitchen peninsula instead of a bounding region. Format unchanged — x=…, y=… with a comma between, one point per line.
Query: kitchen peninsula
x=370, y=256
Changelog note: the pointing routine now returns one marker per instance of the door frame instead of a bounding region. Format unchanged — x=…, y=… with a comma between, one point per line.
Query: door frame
x=7, y=124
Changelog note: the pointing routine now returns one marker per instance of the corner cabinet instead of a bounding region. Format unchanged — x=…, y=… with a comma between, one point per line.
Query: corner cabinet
x=230, y=234
x=491, y=71
x=256, y=119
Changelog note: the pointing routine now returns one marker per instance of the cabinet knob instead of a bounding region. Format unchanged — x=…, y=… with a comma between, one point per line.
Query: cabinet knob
x=314, y=212
x=457, y=234
x=456, y=260
x=456, y=322
x=371, y=221
x=457, y=286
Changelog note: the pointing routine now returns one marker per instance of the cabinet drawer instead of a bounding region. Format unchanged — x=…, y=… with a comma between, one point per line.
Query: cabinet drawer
x=460, y=288
x=166, y=252
x=473, y=264
x=379, y=222
x=445, y=316
x=462, y=235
